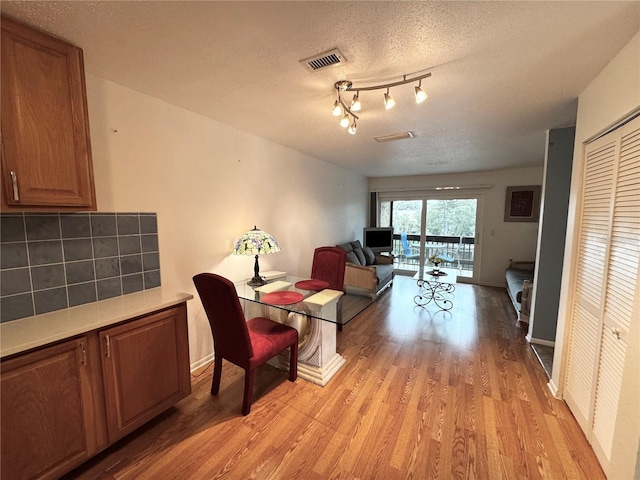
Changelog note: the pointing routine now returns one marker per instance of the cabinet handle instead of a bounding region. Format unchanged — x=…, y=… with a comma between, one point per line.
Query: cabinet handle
x=84, y=354
x=108, y=345
x=14, y=182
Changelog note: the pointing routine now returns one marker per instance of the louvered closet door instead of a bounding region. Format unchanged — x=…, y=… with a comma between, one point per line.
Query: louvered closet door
x=600, y=159
x=604, y=303
x=622, y=278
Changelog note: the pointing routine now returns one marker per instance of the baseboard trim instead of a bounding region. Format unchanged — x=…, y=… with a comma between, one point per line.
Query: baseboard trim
x=203, y=361
x=540, y=341
x=553, y=388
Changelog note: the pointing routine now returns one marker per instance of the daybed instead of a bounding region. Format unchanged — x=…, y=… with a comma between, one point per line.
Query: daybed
x=519, y=278
x=366, y=273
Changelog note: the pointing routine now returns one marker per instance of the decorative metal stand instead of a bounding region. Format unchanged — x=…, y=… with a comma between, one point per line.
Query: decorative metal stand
x=434, y=290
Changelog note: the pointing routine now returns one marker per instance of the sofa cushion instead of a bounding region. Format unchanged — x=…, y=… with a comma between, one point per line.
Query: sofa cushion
x=353, y=258
x=384, y=272
x=369, y=256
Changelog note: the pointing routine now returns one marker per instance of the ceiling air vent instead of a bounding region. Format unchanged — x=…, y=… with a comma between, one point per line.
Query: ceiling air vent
x=326, y=59
x=394, y=137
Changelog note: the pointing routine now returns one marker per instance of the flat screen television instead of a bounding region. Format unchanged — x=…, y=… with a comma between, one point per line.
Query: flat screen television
x=378, y=239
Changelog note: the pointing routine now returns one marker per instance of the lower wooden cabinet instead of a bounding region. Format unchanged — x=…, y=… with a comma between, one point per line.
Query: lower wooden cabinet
x=64, y=403
x=45, y=412
x=141, y=365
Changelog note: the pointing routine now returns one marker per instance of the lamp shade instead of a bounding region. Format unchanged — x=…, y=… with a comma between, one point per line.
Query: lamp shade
x=256, y=242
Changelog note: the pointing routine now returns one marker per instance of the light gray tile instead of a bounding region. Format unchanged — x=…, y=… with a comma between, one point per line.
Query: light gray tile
x=111, y=287
x=82, y=293
x=151, y=279
x=129, y=244
x=151, y=261
x=79, y=249
x=50, y=300
x=15, y=281
x=16, y=306
x=12, y=228
x=80, y=272
x=42, y=253
x=128, y=224
x=13, y=255
x=132, y=283
x=148, y=223
x=130, y=264
x=48, y=276
x=75, y=225
x=43, y=227
x=149, y=243
x=107, y=267
x=103, y=225
x=105, y=247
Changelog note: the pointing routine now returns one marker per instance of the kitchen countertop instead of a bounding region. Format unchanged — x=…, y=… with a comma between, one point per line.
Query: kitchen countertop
x=31, y=332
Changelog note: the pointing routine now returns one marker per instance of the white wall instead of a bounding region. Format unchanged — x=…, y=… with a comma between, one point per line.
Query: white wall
x=610, y=97
x=500, y=240
x=209, y=183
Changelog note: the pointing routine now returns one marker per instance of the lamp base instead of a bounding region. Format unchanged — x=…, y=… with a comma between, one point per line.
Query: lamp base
x=256, y=282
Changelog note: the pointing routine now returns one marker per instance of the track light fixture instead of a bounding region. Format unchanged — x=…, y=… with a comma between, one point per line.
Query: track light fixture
x=341, y=108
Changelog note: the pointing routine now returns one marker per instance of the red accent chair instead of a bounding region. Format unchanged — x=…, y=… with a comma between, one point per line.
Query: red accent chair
x=247, y=344
x=329, y=265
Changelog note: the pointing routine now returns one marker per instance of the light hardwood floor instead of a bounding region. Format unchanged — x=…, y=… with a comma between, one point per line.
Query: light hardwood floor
x=424, y=394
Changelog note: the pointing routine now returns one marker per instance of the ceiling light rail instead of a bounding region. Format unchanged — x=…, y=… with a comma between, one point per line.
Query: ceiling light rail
x=346, y=112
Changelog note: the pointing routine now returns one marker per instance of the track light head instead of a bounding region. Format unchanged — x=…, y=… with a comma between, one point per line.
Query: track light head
x=337, y=109
x=421, y=95
x=344, y=122
x=356, y=106
x=352, y=129
x=389, y=102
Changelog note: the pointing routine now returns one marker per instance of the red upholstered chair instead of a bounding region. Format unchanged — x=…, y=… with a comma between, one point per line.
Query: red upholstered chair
x=247, y=344
x=329, y=264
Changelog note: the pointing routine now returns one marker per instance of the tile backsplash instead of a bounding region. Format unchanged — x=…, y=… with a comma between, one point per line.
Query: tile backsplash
x=52, y=261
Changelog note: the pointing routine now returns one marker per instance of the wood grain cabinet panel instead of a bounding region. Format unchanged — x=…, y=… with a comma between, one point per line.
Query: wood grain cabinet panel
x=62, y=404
x=146, y=369
x=46, y=150
x=45, y=429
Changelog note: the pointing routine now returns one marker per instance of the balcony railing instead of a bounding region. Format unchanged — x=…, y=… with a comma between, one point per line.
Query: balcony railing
x=447, y=245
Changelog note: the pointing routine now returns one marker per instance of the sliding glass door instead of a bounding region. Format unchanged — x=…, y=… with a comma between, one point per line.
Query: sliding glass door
x=441, y=225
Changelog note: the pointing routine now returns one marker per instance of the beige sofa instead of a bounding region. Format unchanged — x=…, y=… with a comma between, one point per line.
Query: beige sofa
x=365, y=272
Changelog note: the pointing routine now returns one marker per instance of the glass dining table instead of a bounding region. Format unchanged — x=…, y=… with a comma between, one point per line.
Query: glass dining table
x=313, y=312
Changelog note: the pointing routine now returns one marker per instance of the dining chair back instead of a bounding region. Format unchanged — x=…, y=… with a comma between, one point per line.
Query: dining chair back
x=329, y=264
x=247, y=344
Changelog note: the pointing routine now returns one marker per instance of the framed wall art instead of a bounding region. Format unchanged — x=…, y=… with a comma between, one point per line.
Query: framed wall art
x=522, y=204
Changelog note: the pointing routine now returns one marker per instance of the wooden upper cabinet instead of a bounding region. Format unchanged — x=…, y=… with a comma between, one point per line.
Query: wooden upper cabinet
x=46, y=150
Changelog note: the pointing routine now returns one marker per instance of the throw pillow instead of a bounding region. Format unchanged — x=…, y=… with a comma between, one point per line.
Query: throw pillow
x=369, y=255
x=347, y=247
x=352, y=258
x=360, y=255
x=356, y=245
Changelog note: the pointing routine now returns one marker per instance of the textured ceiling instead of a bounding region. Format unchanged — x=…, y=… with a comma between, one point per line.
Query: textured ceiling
x=502, y=72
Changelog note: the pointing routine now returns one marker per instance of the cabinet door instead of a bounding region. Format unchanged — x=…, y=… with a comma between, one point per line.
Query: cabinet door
x=146, y=368
x=45, y=410
x=46, y=155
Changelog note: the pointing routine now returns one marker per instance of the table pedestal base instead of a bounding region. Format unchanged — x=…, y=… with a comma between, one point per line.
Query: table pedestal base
x=318, y=360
